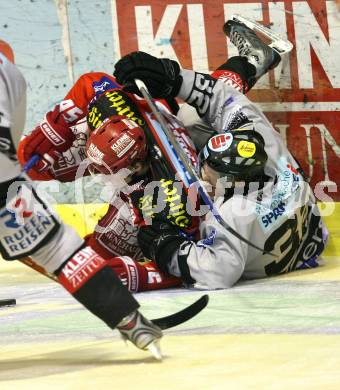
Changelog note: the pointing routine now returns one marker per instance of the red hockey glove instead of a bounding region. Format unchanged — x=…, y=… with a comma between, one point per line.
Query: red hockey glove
x=51, y=137
x=141, y=276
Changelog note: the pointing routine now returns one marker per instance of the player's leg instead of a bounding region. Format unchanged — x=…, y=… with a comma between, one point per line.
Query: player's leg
x=254, y=60
x=240, y=72
x=29, y=227
x=260, y=56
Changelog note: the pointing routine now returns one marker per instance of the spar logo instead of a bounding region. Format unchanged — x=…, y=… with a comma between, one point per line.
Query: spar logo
x=220, y=142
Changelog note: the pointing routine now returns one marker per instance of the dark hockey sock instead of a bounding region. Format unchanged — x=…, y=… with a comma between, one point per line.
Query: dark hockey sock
x=106, y=297
x=243, y=68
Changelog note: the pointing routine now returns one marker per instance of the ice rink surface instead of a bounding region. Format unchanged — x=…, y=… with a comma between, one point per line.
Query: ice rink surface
x=277, y=333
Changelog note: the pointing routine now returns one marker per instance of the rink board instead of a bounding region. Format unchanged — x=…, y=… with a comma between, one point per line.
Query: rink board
x=278, y=333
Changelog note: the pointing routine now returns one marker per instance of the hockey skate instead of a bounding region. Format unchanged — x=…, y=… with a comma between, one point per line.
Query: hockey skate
x=142, y=333
x=242, y=33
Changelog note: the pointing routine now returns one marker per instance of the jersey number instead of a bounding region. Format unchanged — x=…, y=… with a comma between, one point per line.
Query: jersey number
x=285, y=241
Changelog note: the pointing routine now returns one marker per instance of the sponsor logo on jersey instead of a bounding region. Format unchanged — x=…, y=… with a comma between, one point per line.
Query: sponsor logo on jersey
x=230, y=78
x=94, y=118
x=25, y=224
x=112, y=103
x=272, y=216
x=289, y=180
x=51, y=134
x=208, y=241
x=294, y=170
x=103, y=85
x=122, y=145
x=80, y=268
x=94, y=154
x=174, y=206
x=119, y=103
x=246, y=149
x=19, y=240
x=220, y=142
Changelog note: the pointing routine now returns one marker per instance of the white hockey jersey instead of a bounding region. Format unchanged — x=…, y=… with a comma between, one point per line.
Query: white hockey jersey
x=12, y=116
x=282, y=218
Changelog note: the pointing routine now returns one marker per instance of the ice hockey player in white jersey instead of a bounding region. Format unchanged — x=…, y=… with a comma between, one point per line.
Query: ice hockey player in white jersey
x=30, y=227
x=258, y=186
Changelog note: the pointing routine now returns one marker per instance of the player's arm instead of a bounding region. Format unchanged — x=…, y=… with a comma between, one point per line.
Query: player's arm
x=217, y=260
x=213, y=100
x=54, y=134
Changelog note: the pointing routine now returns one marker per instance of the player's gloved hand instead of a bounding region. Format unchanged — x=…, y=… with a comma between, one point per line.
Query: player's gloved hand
x=159, y=242
x=160, y=75
x=52, y=137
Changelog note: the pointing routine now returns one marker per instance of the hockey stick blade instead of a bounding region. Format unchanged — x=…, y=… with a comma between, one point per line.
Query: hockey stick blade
x=183, y=315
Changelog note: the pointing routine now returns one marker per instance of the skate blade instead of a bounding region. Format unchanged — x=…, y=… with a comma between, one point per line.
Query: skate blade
x=155, y=350
x=280, y=45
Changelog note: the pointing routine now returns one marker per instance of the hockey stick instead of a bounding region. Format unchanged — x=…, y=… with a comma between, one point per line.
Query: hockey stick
x=31, y=162
x=186, y=171
x=183, y=315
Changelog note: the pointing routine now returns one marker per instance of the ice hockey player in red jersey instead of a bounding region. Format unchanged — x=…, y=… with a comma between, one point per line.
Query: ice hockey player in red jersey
x=120, y=122
x=30, y=227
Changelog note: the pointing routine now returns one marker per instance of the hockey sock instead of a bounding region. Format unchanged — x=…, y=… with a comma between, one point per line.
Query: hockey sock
x=238, y=73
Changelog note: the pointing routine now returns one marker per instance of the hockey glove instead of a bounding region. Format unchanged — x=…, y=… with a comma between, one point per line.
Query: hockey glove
x=138, y=276
x=52, y=137
x=159, y=242
x=160, y=75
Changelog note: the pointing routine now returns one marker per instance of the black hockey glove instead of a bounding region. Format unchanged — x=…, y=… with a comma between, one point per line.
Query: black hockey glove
x=159, y=242
x=160, y=75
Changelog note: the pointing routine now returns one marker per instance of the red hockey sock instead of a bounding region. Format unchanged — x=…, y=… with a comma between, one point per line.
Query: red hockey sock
x=231, y=78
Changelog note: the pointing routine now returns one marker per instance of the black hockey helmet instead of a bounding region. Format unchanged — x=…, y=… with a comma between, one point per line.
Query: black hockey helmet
x=239, y=154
